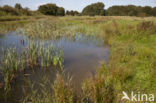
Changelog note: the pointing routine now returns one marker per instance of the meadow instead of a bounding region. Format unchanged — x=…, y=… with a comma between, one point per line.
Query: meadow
x=131, y=65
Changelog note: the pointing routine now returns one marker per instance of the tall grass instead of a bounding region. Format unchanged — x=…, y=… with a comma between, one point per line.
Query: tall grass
x=130, y=67
x=6, y=27
x=44, y=29
x=60, y=91
x=12, y=23
x=11, y=66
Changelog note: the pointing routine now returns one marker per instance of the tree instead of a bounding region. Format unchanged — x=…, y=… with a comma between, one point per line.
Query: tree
x=94, y=9
x=51, y=9
x=26, y=11
x=76, y=13
x=154, y=11
x=60, y=11
x=72, y=13
x=18, y=6
x=48, y=9
x=147, y=10
x=10, y=10
x=67, y=12
x=130, y=10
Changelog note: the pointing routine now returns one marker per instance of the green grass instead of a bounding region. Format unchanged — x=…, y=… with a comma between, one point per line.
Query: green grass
x=6, y=27
x=12, y=23
x=131, y=66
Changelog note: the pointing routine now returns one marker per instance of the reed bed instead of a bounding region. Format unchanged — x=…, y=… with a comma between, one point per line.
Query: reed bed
x=44, y=29
x=60, y=91
x=49, y=29
x=35, y=55
x=12, y=23
x=6, y=27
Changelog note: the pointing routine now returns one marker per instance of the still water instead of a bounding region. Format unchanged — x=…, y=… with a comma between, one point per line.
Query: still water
x=83, y=55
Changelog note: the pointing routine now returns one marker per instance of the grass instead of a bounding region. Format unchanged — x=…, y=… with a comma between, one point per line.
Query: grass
x=131, y=61
x=11, y=23
x=12, y=18
x=131, y=67
x=6, y=27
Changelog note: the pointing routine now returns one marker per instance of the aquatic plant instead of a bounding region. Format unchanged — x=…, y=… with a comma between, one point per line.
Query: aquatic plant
x=11, y=67
x=36, y=54
x=60, y=91
x=44, y=55
x=6, y=27
x=32, y=54
x=43, y=29
x=63, y=90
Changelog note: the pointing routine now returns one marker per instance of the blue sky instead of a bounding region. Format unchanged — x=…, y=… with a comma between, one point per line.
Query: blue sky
x=76, y=4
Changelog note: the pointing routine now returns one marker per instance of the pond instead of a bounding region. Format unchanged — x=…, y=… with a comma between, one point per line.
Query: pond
x=83, y=55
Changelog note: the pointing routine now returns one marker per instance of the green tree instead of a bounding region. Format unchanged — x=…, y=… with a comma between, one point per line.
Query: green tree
x=130, y=10
x=10, y=10
x=51, y=9
x=76, y=13
x=147, y=10
x=18, y=6
x=60, y=11
x=94, y=9
x=26, y=11
x=72, y=13
x=154, y=11
x=48, y=9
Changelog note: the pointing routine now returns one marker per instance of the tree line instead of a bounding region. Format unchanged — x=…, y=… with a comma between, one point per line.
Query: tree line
x=16, y=10
x=91, y=10
x=131, y=10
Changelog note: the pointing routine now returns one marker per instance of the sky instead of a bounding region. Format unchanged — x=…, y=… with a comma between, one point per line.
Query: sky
x=77, y=4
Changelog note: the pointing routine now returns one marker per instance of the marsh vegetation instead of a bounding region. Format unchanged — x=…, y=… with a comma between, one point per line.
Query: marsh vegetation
x=37, y=65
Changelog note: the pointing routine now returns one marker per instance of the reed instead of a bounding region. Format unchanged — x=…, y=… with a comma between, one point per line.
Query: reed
x=60, y=91
x=35, y=55
x=11, y=67
x=43, y=29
